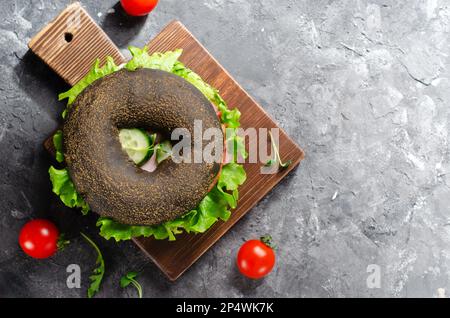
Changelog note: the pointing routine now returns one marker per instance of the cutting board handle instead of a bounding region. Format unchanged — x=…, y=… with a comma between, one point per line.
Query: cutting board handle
x=71, y=42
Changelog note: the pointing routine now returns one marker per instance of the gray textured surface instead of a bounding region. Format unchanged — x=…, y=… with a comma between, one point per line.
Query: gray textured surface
x=363, y=86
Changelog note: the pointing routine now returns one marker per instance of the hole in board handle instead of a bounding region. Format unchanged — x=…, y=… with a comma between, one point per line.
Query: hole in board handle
x=68, y=37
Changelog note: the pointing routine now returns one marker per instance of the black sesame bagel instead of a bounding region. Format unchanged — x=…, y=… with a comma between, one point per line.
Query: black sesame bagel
x=102, y=172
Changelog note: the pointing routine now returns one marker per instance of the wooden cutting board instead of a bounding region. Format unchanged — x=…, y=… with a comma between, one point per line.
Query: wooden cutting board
x=70, y=44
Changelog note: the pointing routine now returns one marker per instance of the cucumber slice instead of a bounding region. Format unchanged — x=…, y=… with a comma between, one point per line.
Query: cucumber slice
x=137, y=144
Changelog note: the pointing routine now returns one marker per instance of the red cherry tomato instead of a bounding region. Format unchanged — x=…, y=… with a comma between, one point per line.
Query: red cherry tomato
x=255, y=259
x=138, y=7
x=39, y=238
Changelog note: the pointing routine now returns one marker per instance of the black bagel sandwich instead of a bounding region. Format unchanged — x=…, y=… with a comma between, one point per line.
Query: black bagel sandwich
x=118, y=121
x=109, y=181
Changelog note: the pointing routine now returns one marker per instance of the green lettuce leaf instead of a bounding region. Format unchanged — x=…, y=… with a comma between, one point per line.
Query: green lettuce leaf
x=235, y=143
x=231, y=177
x=215, y=205
x=58, y=143
x=229, y=117
x=65, y=189
x=159, y=61
x=94, y=74
x=110, y=228
x=193, y=78
x=121, y=232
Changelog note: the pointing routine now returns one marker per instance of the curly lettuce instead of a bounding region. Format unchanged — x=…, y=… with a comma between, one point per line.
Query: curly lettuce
x=217, y=203
x=214, y=206
x=94, y=74
x=58, y=144
x=65, y=189
x=158, y=61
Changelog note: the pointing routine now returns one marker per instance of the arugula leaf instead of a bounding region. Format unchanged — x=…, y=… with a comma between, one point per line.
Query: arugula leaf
x=276, y=157
x=128, y=279
x=94, y=74
x=98, y=272
x=163, y=151
x=65, y=189
x=58, y=143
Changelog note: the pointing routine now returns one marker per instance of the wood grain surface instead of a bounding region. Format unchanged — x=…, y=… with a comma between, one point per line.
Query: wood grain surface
x=71, y=42
x=174, y=258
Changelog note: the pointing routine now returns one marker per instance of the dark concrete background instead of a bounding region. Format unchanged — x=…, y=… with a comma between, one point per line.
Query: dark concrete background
x=362, y=86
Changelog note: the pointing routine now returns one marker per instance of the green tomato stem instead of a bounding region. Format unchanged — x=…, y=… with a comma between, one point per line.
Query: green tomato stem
x=267, y=239
x=62, y=242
